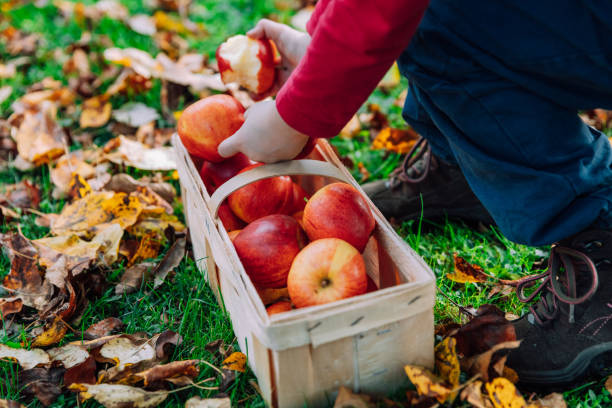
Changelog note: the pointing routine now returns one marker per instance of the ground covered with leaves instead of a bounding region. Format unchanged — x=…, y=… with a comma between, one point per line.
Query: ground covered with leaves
x=101, y=299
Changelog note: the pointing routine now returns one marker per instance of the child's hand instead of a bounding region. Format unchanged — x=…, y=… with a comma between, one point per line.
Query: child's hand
x=264, y=136
x=291, y=45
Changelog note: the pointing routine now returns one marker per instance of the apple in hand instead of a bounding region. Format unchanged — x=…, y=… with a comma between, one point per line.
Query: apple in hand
x=324, y=271
x=339, y=211
x=273, y=195
x=267, y=247
x=208, y=122
x=279, y=307
x=249, y=62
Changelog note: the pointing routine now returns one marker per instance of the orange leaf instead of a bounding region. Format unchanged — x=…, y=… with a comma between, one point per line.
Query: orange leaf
x=395, y=140
x=236, y=361
x=54, y=334
x=466, y=272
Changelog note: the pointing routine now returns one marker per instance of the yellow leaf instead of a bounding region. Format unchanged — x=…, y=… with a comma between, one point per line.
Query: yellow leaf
x=96, y=112
x=78, y=187
x=67, y=165
x=39, y=138
x=504, y=394
x=391, y=79
x=466, y=272
x=427, y=384
x=236, y=361
x=156, y=224
x=395, y=140
x=52, y=335
x=148, y=248
x=351, y=129
x=96, y=211
x=447, y=363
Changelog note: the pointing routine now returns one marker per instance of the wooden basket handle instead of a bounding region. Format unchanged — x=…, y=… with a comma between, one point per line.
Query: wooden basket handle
x=287, y=168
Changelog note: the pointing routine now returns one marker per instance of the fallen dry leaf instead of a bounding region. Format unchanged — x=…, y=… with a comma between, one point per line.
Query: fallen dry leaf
x=52, y=335
x=127, y=184
x=119, y=396
x=488, y=328
x=65, y=167
x=43, y=383
x=504, y=394
x=148, y=248
x=188, y=368
x=15, y=404
x=347, y=399
x=124, y=351
x=21, y=195
x=554, y=400
x=10, y=306
x=133, y=277
x=351, y=129
x=39, y=138
x=77, y=255
x=70, y=355
x=472, y=394
x=5, y=92
x=427, y=384
x=236, y=361
x=481, y=364
x=165, y=343
x=171, y=260
x=103, y=328
x=135, y=114
x=135, y=154
x=26, y=358
x=96, y=112
x=396, y=140
x=81, y=373
x=197, y=402
x=466, y=272
x=96, y=211
x=447, y=363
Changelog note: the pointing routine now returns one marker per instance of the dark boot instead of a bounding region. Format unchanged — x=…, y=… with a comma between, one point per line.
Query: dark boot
x=442, y=187
x=567, y=335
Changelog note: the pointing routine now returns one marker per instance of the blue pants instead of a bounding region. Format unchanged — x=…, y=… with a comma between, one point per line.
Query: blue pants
x=496, y=85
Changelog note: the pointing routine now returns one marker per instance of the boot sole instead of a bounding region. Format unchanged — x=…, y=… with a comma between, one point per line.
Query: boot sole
x=593, y=361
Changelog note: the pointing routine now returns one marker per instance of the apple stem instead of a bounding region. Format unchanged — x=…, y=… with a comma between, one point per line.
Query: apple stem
x=325, y=282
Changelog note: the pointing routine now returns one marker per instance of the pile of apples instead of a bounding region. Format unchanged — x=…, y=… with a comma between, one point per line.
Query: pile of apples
x=309, y=246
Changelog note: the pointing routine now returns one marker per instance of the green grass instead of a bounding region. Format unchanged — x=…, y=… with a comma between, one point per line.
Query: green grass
x=184, y=303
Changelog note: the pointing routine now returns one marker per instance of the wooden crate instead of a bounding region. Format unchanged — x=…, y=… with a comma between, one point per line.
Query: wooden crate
x=303, y=356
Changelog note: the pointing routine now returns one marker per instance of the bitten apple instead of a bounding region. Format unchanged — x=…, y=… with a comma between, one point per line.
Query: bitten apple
x=324, y=271
x=264, y=197
x=279, y=307
x=229, y=220
x=249, y=62
x=208, y=122
x=339, y=211
x=267, y=247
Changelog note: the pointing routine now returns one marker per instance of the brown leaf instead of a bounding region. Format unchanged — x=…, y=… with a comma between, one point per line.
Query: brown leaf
x=481, y=364
x=44, y=383
x=472, y=394
x=133, y=277
x=504, y=394
x=148, y=248
x=171, y=260
x=427, y=384
x=347, y=399
x=608, y=384
x=84, y=373
x=165, y=344
x=466, y=272
x=351, y=129
x=396, y=140
x=365, y=173
x=52, y=335
x=21, y=195
x=103, y=328
x=75, y=254
x=96, y=112
x=26, y=358
x=127, y=184
x=9, y=306
x=554, y=400
x=488, y=328
x=236, y=361
x=119, y=396
x=188, y=368
x=197, y=402
x=124, y=351
x=39, y=138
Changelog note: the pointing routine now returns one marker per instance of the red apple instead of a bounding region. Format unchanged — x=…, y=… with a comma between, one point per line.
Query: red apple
x=218, y=173
x=208, y=122
x=324, y=271
x=264, y=197
x=267, y=247
x=339, y=211
x=371, y=285
x=279, y=307
x=299, y=198
x=249, y=62
x=229, y=220
x=299, y=216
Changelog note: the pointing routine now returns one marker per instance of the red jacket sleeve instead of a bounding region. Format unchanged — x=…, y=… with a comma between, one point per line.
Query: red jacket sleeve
x=311, y=26
x=353, y=45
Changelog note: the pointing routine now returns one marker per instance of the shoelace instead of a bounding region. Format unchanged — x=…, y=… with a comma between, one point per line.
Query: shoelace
x=406, y=172
x=547, y=309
